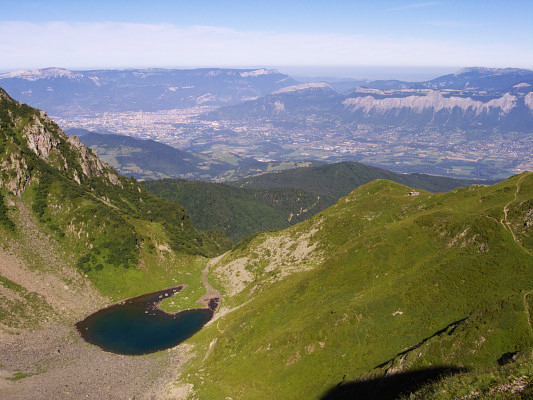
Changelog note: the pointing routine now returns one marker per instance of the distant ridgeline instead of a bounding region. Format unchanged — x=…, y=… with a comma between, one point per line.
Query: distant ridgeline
x=472, y=98
x=491, y=99
x=61, y=91
x=109, y=222
x=278, y=200
x=473, y=123
x=339, y=179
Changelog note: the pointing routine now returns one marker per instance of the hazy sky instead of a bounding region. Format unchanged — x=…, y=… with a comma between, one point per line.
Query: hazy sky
x=194, y=33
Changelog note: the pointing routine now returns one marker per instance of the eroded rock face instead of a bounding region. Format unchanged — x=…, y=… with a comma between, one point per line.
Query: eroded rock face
x=113, y=178
x=431, y=100
x=528, y=100
x=39, y=139
x=90, y=163
x=18, y=175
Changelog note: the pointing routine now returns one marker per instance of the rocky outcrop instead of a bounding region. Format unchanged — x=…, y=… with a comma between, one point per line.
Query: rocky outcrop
x=48, y=142
x=528, y=100
x=90, y=164
x=39, y=139
x=306, y=86
x=4, y=95
x=89, y=161
x=16, y=176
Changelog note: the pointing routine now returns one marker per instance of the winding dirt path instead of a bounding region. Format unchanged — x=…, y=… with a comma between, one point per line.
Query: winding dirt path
x=506, y=224
x=504, y=221
x=212, y=297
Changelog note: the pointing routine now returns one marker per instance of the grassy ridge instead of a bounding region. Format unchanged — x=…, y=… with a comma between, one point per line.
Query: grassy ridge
x=395, y=282
x=145, y=159
x=279, y=200
x=148, y=159
x=513, y=380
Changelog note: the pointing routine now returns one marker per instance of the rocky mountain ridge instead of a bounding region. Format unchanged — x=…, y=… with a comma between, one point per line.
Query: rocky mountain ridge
x=469, y=78
x=500, y=100
x=45, y=73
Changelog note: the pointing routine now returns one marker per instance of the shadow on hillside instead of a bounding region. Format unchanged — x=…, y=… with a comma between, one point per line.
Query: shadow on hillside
x=390, y=387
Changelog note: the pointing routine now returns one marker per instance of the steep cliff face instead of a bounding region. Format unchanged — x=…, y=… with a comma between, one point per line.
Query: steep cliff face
x=436, y=101
x=14, y=174
x=528, y=100
x=441, y=109
x=39, y=139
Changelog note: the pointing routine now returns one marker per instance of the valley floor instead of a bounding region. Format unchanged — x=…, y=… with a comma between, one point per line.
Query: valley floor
x=54, y=363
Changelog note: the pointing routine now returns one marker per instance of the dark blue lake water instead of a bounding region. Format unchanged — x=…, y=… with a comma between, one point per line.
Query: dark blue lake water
x=136, y=326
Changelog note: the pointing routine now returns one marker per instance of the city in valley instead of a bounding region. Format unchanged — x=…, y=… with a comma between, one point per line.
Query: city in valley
x=461, y=153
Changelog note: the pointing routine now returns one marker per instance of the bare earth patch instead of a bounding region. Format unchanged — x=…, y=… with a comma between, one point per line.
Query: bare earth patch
x=278, y=256
x=57, y=289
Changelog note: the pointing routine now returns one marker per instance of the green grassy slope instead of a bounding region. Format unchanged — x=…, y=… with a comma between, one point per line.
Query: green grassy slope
x=239, y=212
x=339, y=179
x=512, y=380
x=123, y=238
x=380, y=282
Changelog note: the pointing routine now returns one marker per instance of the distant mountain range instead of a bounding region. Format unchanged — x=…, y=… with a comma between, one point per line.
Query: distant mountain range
x=474, y=123
x=473, y=98
x=470, y=78
x=60, y=91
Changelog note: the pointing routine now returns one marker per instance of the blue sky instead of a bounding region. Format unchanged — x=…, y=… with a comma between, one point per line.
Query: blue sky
x=324, y=34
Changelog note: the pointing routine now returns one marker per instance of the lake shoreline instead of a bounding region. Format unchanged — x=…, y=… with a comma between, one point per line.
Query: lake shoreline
x=132, y=338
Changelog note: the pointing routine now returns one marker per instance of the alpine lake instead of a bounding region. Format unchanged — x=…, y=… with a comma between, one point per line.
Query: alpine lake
x=138, y=326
